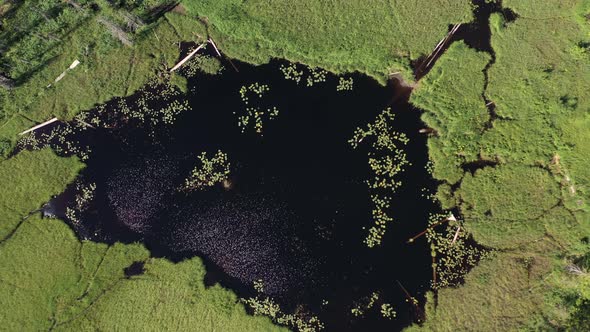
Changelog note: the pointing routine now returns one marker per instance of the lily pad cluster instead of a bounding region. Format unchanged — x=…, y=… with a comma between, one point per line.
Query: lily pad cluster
x=386, y=160
x=208, y=172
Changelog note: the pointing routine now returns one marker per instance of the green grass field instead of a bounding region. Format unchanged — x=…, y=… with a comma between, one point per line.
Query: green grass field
x=529, y=204
x=373, y=37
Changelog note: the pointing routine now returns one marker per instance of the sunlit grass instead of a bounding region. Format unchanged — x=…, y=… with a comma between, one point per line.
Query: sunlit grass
x=529, y=202
x=373, y=37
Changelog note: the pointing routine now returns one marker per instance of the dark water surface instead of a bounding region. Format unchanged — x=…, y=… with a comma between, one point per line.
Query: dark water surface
x=296, y=212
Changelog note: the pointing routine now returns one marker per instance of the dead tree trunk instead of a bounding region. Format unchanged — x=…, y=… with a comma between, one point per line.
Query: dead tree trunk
x=6, y=82
x=116, y=31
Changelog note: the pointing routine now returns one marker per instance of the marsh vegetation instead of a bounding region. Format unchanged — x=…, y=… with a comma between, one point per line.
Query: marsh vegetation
x=506, y=120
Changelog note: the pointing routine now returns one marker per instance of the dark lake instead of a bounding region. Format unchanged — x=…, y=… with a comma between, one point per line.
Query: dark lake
x=297, y=210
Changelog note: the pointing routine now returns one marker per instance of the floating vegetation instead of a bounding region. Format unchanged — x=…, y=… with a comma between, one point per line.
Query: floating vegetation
x=144, y=112
x=57, y=138
x=255, y=88
x=201, y=64
x=296, y=73
x=84, y=195
x=387, y=311
x=265, y=306
x=370, y=302
x=255, y=116
x=155, y=104
x=452, y=249
x=386, y=160
x=344, y=84
x=158, y=102
x=209, y=172
x=291, y=72
x=360, y=308
x=316, y=75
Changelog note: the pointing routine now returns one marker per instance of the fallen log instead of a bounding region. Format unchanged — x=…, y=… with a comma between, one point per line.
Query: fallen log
x=6, y=82
x=116, y=31
x=451, y=217
x=214, y=46
x=39, y=126
x=456, y=235
x=219, y=54
x=190, y=55
x=62, y=75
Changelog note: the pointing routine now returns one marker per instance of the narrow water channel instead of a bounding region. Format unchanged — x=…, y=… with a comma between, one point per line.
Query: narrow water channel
x=296, y=209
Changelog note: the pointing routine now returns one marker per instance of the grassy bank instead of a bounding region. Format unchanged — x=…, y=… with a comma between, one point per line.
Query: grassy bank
x=376, y=37
x=514, y=171
x=41, y=39
x=51, y=280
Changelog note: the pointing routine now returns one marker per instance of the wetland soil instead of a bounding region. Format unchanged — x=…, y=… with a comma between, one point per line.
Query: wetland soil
x=297, y=210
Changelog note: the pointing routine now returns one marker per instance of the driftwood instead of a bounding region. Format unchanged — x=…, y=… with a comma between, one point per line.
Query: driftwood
x=116, y=31
x=39, y=126
x=186, y=58
x=6, y=82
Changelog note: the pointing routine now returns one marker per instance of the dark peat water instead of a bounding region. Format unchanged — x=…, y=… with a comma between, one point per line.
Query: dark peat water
x=297, y=210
